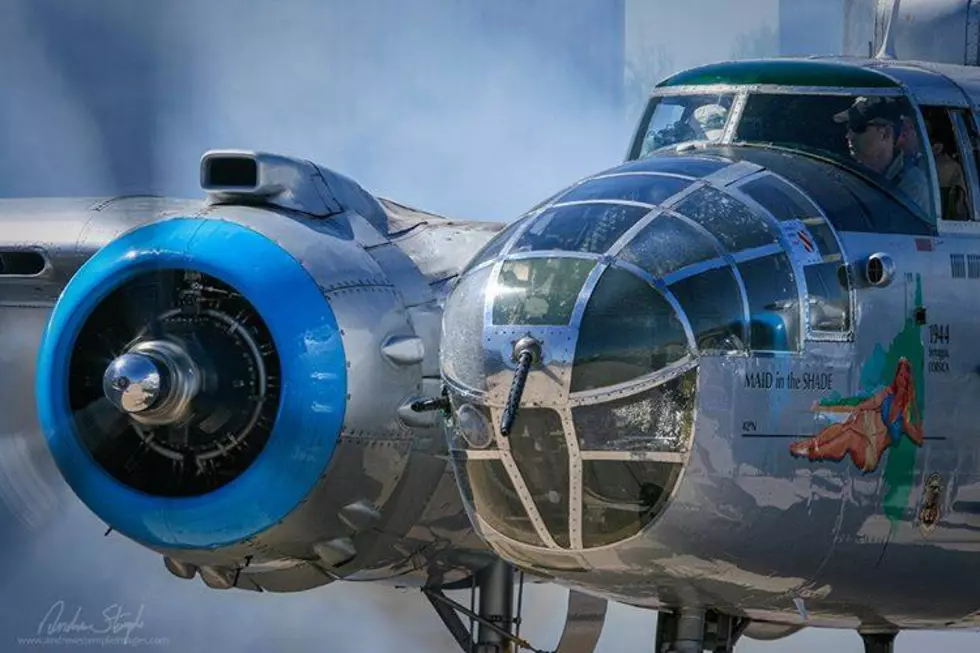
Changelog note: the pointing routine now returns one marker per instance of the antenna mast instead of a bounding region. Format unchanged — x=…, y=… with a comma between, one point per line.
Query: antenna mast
x=887, y=50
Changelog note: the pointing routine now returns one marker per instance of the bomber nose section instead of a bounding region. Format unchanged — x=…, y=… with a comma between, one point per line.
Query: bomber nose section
x=582, y=450
x=624, y=282
x=598, y=298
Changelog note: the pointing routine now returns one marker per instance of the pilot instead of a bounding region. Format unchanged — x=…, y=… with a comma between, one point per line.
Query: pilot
x=873, y=127
x=711, y=118
x=909, y=142
x=952, y=184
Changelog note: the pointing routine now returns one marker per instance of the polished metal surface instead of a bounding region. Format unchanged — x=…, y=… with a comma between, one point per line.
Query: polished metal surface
x=426, y=321
x=765, y=632
x=180, y=569
x=583, y=623
x=690, y=631
x=66, y=232
x=424, y=237
x=154, y=382
x=879, y=269
x=924, y=85
x=404, y=350
x=412, y=285
x=230, y=176
x=929, y=30
x=496, y=605
x=369, y=317
x=133, y=382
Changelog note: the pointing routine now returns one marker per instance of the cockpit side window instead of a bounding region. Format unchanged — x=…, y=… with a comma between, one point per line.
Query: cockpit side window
x=954, y=195
x=871, y=135
x=674, y=119
x=969, y=140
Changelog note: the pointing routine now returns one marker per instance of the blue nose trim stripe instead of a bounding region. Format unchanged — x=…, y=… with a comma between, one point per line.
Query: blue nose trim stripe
x=313, y=383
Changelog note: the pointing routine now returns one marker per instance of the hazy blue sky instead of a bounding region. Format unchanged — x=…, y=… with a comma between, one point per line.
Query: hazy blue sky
x=419, y=101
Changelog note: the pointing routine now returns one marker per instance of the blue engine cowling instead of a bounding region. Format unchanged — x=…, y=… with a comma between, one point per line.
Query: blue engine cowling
x=308, y=415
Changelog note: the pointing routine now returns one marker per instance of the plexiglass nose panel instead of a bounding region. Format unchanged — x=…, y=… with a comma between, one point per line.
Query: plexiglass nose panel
x=628, y=330
x=538, y=291
x=620, y=497
x=582, y=227
x=540, y=451
x=462, y=351
x=668, y=244
x=620, y=284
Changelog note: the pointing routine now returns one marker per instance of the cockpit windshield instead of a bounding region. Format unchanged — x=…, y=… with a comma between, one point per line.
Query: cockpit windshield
x=671, y=120
x=876, y=136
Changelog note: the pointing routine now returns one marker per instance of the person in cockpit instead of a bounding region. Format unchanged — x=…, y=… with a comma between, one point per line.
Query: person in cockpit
x=873, y=127
x=909, y=142
x=952, y=184
x=711, y=118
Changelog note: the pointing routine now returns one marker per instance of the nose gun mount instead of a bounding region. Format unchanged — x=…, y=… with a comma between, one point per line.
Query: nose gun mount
x=527, y=352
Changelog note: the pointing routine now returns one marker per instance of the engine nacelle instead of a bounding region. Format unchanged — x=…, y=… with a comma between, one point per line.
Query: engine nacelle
x=231, y=386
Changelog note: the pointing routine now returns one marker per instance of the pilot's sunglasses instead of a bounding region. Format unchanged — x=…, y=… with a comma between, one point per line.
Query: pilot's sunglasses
x=859, y=125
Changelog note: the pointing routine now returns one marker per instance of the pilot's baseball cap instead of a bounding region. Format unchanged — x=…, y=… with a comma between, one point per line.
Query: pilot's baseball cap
x=871, y=111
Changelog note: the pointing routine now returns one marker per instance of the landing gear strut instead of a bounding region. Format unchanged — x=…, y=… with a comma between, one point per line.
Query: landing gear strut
x=694, y=630
x=497, y=607
x=879, y=642
x=494, y=623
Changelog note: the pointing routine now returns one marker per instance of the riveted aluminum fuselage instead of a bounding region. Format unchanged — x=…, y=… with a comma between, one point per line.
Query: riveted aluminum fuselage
x=869, y=540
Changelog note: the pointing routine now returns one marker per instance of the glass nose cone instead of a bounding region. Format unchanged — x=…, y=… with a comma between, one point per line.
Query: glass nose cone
x=583, y=450
x=580, y=444
x=625, y=281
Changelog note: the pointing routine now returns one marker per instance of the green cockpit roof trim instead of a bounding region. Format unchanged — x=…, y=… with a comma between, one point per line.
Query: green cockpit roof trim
x=781, y=73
